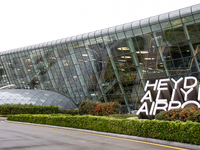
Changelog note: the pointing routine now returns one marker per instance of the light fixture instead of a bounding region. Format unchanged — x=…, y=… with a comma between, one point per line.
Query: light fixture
x=66, y=64
x=123, y=48
x=122, y=60
x=122, y=64
x=149, y=58
x=74, y=76
x=28, y=70
x=125, y=56
x=142, y=52
x=94, y=94
x=84, y=54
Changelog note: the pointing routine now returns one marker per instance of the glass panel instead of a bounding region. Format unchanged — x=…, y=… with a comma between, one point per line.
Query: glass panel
x=155, y=27
x=176, y=34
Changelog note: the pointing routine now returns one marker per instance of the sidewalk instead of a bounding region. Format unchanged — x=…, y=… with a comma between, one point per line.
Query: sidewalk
x=164, y=142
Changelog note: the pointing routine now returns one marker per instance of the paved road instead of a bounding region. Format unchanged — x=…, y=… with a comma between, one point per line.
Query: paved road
x=28, y=137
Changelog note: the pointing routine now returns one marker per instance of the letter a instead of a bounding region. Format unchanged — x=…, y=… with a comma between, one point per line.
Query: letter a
x=147, y=96
x=143, y=108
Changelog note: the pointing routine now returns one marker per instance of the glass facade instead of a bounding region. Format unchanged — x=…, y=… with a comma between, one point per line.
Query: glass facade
x=112, y=64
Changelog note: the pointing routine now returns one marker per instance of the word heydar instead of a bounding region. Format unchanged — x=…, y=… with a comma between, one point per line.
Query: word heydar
x=166, y=94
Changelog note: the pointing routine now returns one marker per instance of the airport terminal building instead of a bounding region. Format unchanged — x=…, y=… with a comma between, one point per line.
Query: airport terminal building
x=112, y=64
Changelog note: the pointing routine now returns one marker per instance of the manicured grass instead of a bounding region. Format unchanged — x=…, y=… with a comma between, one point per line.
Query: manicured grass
x=68, y=112
x=122, y=116
x=116, y=116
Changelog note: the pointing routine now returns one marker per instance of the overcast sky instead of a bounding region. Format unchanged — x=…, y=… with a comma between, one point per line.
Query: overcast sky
x=28, y=22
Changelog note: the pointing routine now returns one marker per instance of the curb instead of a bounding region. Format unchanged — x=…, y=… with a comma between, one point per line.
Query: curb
x=157, y=141
x=3, y=118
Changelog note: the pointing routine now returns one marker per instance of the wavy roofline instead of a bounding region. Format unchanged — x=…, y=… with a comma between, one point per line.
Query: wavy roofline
x=183, y=12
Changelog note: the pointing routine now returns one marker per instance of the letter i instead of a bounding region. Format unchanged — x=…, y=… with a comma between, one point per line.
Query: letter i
x=152, y=107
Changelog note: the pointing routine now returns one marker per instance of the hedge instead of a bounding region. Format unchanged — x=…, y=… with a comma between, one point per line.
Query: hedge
x=69, y=111
x=27, y=109
x=185, y=132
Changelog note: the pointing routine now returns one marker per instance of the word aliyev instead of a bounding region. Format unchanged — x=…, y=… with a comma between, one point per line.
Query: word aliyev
x=185, y=92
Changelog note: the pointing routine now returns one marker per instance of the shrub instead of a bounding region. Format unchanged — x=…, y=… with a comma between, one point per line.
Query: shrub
x=186, y=132
x=182, y=114
x=88, y=107
x=27, y=109
x=160, y=115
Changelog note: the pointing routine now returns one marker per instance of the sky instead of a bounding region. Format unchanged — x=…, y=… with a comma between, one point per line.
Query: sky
x=28, y=22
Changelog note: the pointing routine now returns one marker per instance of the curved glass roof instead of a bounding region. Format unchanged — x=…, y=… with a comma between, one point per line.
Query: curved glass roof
x=36, y=97
x=188, y=11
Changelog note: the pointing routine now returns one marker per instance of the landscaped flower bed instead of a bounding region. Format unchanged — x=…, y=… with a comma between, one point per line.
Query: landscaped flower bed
x=88, y=107
x=182, y=114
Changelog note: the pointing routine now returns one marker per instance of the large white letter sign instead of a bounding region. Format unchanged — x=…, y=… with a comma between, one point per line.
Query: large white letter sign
x=152, y=107
x=160, y=83
x=190, y=102
x=158, y=96
x=189, y=80
x=174, y=107
x=199, y=94
x=143, y=108
x=186, y=93
x=147, y=96
x=166, y=95
x=176, y=82
x=151, y=85
x=161, y=107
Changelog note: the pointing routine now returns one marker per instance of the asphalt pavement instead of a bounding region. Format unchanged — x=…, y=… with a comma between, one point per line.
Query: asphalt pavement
x=26, y=136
